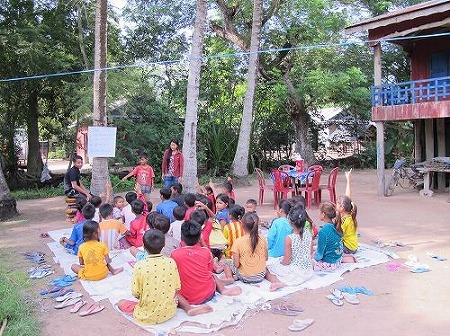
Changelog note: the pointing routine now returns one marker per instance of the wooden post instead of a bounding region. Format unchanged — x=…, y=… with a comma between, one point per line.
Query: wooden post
x=418, y=140
x=440, y=132
x=429, y=144
x=379, y=124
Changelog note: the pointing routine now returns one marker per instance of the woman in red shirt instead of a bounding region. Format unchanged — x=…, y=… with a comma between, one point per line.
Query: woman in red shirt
x=172, y=165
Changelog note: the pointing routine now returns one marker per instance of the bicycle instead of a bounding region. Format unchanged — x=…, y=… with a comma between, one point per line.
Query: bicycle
x=404, y=177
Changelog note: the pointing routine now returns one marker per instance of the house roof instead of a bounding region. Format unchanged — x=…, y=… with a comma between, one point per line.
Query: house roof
x=430, y=16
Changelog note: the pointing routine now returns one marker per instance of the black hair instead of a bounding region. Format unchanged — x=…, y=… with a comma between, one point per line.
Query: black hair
x=250, y=223
x=205, y=200
x=298, y=200
x=328, y=209
x=190, y=232
x=90, y=230
x=76, y=157
x=228, y=186
x=168, y=153
x=198, y=216
x=297, y=216
x=237, y=211
x=231, y=202
x=88, y=211
x=285, y=206
x=154, y=241
x=81, y=202
x=224, y=198
x=116, y=199
x=143, y=155
x=149, y=206
x=162, y=223
x=95, y=201
x=137, y=207
x=190, y=199
x=252, y=202
x=165, y=193
x=179, y=212
x=208, y=189
x=130, y=197
x=178, y=187
x=106, y=210
x=151, y=219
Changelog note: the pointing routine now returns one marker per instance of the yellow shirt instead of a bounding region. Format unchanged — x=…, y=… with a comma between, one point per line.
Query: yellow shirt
x=250, y=263
x=155, y=282
x=349, y=234
x=93, y=253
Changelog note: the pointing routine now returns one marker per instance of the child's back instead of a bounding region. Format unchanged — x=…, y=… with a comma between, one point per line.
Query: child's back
x=250, y=263
x=278, y=231
x=232, y=231
x=110, y=229
x=93, y=253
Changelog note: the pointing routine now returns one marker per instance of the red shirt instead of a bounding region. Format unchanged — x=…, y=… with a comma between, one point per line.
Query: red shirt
x=190, y=210
x=144, y=175
x=138, y=227
x=178, y=163
x=195, y=266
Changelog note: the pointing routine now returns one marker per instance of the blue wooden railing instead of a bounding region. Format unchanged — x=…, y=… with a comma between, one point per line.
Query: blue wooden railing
x=426, y=90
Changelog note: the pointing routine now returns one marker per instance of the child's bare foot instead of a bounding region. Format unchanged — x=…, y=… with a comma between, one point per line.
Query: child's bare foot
x=233, y=291
x=276, y=285
x=115, y=271
x=203, y=309
x=227, y=281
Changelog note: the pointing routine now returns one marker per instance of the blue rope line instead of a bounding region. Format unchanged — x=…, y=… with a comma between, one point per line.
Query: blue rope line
x=235, y=54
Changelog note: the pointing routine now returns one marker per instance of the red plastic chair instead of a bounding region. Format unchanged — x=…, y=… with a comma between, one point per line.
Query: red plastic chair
x=330, y=186
x=282, y=185
x=315, y=172
x=262, y=185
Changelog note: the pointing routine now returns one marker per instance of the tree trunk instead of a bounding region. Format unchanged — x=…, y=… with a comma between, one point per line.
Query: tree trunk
x=240, y=162
x=193, y=89
x=34, y=159
x=7, y=202
x=100, y=175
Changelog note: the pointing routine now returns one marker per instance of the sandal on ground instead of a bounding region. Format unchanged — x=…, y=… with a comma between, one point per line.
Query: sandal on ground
x=351, y=298
x=334, y=300
x=299, y=325
x=61, y=291
x=77, y=306
x=292, y=307
x=50, y=290
x=70, y=295
x=40, y=273
x=67, y=302
x=283, y=310
x=44, y=235
x=337, y=293
x=92, y=309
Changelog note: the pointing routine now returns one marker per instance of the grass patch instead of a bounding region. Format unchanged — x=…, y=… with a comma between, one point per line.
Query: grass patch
x=14, y=305
x=35, y=193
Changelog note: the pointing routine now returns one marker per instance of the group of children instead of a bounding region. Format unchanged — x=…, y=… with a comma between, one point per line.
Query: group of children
x=198, y=244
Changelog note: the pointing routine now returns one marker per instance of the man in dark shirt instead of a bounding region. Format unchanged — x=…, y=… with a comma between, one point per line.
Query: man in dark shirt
x=73, y=187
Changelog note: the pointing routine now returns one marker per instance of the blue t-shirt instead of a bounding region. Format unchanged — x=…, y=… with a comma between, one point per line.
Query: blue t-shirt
x=166, y=208
x=77, y=237
x=278, y=232
x=223, y=214
x=329, y=244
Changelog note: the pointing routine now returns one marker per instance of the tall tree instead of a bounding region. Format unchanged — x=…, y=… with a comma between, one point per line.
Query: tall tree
x=7, y=202
x=100, y=174
x=240, y=163
x=193, y=90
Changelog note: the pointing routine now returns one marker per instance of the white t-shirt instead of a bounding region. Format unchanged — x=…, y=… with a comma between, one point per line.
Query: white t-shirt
x=175, y=229
x=128, y=216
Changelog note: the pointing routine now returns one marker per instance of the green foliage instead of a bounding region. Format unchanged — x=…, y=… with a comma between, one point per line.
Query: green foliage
x=36, y=193
x=14, y=305
x=119, y=186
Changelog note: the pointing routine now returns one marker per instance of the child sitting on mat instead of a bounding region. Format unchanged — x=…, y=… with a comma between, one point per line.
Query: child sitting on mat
x=76, y=237
x=195, y=266
x=279, y=230
x=155, y=283
x=138, y=226
x=95, y=262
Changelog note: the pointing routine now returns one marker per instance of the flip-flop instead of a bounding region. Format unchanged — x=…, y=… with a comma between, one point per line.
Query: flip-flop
x=292, y=307
x=334, y=300
x=67, y=302
x=436, y=256
x=62, y=291
x=351, y=298
x=92, y=309
x=336, y=293
x=421, y=269
x=283, y=310
x=44, y=235
x=77, y=306
x=39, y=274
x=71, y=295
x=39, y=267
x=299, y=325
x=50, y=290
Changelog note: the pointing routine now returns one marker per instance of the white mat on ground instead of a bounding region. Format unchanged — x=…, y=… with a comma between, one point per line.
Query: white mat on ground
x=227, y=310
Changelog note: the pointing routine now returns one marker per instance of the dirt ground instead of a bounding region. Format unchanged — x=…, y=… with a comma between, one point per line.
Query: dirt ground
x=403, y=302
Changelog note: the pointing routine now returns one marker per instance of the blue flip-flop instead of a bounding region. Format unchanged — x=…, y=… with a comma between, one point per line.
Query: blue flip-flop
x=61, y=292
x=50, y=290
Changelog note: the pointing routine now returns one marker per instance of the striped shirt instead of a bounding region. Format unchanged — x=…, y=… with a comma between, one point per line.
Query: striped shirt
x=231, y=232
